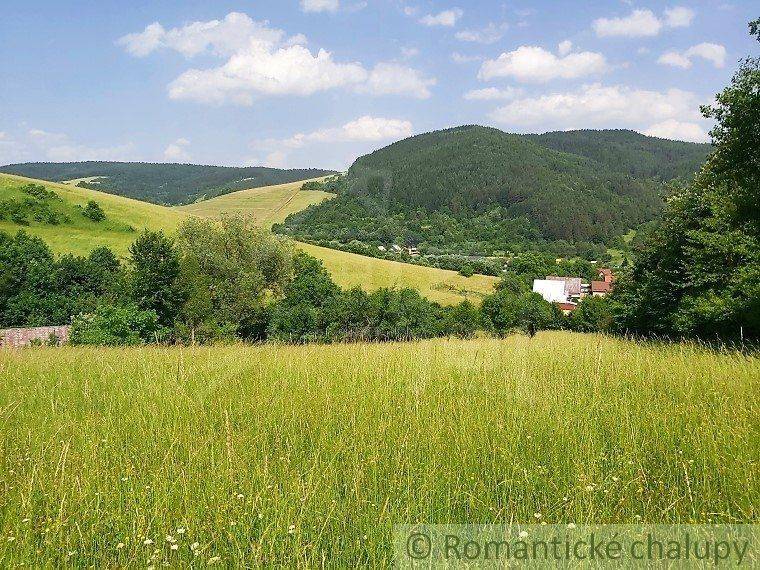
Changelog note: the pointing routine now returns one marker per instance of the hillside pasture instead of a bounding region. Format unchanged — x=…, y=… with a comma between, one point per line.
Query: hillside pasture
x=125, y=218
x=266, y=206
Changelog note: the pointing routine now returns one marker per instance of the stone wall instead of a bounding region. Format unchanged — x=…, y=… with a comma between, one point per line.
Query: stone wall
x=16, y=338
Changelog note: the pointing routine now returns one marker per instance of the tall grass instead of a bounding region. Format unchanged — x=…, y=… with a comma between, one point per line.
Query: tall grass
x=308, y=455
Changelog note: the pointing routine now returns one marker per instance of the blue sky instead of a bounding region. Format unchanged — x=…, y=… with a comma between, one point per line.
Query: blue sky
x=298, y=83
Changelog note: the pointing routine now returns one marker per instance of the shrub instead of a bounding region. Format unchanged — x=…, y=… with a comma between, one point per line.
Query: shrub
x=93, y=211
x=115, y=325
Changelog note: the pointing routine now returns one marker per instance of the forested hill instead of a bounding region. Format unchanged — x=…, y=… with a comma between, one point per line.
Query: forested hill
x=167, y=184
x=479, y=185
x=630, y=152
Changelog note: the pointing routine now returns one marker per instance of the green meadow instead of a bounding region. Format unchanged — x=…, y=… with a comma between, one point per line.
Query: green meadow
x=308, y=455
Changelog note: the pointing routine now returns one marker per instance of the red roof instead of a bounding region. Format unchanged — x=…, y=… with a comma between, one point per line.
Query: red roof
x=567, y=306
x=606, y=275
x=601, y=287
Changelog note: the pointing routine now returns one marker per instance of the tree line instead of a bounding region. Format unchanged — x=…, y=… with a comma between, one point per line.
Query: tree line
x=221, y=282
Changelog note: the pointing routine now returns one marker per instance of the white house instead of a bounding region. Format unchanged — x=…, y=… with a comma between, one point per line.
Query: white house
x=552, y=291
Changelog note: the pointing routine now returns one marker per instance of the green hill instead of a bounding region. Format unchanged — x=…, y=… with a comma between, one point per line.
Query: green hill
x=630, y=152
x=167, y=184
x=477, y=190
x=58, y=217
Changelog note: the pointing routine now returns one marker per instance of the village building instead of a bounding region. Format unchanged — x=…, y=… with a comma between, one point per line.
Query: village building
x=567, y=308
x=552, y=291
x=573, y=286
x=568, y=291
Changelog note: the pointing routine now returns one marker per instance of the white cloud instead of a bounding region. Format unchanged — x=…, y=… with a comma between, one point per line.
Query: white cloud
x=564, y=48
x=177, y=151
x=643, y=23
x=276, y=159
x=488, y=35
x=395, y=79
x=366, y=129
x=599, y=106
x=320, y=5
x=535, y=64
x=492, y=94
x=674, y=59
x=673, y=129
x=221, y=37
x=679, y=17
x=39, y=145
x=714, y=53
x=447, y=18
x=290, y=70
x=457, y=57
x=637, y=24
x=411, y=10
x=363, y=129
x=262, y=61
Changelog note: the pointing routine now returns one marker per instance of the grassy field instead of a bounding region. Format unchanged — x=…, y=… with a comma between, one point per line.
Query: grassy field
x=441, y=285
x=124, y=218
x=268, y=205
x=307, y=455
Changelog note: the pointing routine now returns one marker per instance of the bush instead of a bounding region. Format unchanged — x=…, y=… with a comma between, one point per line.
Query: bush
x=593, y=314
x=466, y=271
x=463, y=320
x=115, y=325
x=93, y=211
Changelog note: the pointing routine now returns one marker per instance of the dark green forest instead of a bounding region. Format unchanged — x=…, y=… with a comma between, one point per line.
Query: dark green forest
x=166, y=184
x=479, y=191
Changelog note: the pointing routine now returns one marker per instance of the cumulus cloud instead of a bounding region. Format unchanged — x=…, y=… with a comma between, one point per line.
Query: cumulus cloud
x=366, y=129
x=535, y=64
x=396, y=79
x=678, y=130
x=363, y=129
x=492, y=94
x=221, y=37
x=643, y=23
x=177, y=151
x=36, y=144
x=262, y=61
x=488, y=35
x=714, y=53
x=679, y=17
x=447, y=18
x=600, y=106
x=290, y=70
x=320, y=5
x=565, y=47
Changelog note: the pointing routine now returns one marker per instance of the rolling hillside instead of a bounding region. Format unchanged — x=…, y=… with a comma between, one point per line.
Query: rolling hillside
x=445, y=287
x=166, y=184
x=478, y=188
x=630, y=152
x=126, y=217
x=267, y=206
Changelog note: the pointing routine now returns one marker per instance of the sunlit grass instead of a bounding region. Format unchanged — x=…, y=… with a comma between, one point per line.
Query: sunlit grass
x=308, y=455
